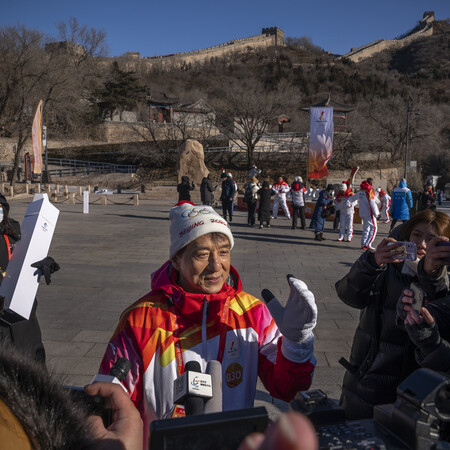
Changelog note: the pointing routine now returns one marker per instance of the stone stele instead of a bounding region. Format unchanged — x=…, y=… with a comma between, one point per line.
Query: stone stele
x=191, y=162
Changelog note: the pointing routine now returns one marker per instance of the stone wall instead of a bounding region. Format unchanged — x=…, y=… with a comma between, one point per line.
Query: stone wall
x=368, y=50
x=273, y=37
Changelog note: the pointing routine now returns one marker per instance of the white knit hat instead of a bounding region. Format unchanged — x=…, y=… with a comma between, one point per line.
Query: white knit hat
x=188, y=222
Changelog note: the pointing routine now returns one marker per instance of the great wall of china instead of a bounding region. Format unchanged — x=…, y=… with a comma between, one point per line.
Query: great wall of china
x=269, y=37
x=424, y=28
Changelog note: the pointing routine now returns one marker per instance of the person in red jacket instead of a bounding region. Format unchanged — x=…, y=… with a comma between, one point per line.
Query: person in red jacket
x=198, y=311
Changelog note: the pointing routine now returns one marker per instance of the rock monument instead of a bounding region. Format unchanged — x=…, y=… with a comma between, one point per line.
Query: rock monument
x=191, y=161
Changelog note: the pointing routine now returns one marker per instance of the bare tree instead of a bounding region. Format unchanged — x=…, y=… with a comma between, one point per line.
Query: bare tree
x=244, y=111
x=34, y=68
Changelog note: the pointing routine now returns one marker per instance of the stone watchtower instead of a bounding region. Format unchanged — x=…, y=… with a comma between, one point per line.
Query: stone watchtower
x=276, y=33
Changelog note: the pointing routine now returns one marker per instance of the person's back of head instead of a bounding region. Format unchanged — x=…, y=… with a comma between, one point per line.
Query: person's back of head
x=45, y=412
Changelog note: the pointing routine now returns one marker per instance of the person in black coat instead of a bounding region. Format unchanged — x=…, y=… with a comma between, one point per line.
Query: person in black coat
x=206, y=191
x=265, y=206
x=227, y=196
x=184, y=189
x=382, y=353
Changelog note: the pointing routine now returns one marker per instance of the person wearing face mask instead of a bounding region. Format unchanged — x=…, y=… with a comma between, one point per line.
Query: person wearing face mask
x=382, y=353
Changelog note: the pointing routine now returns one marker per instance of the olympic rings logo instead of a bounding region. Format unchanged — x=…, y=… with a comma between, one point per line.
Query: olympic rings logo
x=194, y=212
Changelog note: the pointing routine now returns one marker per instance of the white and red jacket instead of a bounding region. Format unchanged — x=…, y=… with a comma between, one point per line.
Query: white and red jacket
x=169, y=322
x=281, y=189
x=367, y=203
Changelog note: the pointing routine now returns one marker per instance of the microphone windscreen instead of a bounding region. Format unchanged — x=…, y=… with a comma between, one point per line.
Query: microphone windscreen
x=193, y=366
x=120, y=369
x=214, y=404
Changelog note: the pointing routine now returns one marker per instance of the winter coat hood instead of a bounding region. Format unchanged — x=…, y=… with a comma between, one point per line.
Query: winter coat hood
x=402, y=184
x=190, y=304
x=365, y=186
x=185, y=179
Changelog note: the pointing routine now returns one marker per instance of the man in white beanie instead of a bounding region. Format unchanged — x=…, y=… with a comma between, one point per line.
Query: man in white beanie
x=197, y=311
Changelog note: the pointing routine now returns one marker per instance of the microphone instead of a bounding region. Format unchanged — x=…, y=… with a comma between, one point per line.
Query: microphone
x=191, y=389
x=214, y=404
x=117, y=374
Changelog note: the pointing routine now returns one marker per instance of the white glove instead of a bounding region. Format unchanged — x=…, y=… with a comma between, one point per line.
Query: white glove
x=299, y=317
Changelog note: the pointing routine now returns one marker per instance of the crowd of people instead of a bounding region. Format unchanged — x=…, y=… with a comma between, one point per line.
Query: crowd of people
x=197, y=310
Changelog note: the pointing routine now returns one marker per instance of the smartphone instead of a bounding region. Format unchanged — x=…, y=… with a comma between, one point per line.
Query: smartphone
x=419, y=297
x=444, y=244
x=409, y=251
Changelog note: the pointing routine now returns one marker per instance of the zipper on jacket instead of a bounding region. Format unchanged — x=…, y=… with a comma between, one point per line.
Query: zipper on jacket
x=204, y=330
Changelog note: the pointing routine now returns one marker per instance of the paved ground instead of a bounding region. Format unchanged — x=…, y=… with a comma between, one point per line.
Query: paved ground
x=107, y=256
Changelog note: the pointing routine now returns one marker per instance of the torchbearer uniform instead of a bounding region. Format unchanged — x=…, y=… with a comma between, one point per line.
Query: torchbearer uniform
x=385, y=200
x=280, y=189
x=169, y=326
x=345, y=203
x=368, y=212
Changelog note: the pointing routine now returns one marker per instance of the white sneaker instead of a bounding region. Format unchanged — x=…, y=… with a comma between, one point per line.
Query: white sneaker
x=371, y=248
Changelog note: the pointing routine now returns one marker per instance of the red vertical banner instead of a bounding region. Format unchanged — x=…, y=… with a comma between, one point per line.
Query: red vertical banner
x=36, y=132
x=320, y=141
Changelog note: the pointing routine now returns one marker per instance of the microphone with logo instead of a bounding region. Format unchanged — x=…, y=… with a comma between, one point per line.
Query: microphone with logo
x=192, y=388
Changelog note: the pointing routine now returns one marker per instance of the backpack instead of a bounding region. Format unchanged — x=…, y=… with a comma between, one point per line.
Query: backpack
x=248, y=194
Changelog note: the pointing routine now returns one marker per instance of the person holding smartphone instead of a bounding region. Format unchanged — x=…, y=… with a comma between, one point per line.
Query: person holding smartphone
x=382, y=353
x=428, y=324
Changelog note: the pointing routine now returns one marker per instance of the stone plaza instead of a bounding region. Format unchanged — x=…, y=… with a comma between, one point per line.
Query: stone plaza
x=108, y=255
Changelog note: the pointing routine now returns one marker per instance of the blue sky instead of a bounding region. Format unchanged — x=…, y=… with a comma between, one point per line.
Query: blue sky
x=162, y=27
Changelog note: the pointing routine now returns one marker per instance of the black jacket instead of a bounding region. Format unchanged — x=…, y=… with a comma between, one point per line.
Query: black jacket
x=184, y=189
x=206, y=191
x=265, y=205
x=26, y=334
x=382, y=354
x=228, y=189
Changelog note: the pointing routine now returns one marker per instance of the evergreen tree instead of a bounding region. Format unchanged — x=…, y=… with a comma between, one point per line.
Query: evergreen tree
x=120, y=93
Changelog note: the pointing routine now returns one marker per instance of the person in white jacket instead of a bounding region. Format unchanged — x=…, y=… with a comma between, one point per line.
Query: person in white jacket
x=345, y=203
x=385, y=200
x=281, y=188
x=368, y=212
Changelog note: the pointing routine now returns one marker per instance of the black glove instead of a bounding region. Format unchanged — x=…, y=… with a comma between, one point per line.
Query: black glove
x=47, y=266
x=425, y=336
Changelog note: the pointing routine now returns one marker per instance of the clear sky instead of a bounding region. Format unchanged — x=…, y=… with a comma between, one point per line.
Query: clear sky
x=170, y=26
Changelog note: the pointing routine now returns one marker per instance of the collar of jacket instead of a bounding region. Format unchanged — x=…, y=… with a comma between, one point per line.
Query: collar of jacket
x=190, y=304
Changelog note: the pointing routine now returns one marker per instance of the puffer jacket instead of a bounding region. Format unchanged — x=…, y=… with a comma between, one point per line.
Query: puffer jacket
x=253, y=346
x=382, y=354
x=401, y=202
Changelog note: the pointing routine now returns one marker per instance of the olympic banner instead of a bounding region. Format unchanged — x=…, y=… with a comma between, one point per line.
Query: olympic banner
x=320, y=141
x=36, y=133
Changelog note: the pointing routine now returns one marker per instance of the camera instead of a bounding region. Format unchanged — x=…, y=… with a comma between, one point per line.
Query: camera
x=419, y=418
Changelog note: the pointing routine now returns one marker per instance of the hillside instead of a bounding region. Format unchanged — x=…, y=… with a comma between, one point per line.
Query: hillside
x=386, y=90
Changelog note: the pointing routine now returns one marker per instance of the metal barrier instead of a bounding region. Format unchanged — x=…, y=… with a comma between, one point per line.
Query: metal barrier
x=76, y=166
